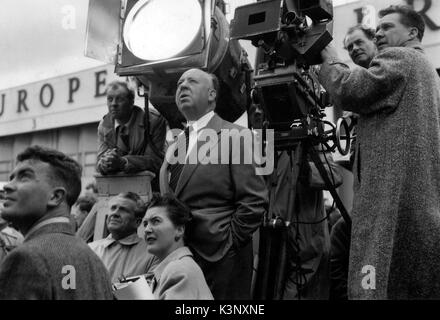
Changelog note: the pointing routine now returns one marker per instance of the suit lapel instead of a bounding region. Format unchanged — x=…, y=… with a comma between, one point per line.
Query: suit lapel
x=188, y=170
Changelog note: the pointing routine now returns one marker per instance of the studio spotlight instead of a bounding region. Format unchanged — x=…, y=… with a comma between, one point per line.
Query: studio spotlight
x=150, y=36
x=158, y=40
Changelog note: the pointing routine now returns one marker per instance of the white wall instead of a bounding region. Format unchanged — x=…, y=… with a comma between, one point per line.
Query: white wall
x=345, y=17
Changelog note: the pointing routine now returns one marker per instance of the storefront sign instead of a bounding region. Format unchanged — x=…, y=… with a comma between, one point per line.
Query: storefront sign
x=426, y=13
x=59, y=102
x=367, y=14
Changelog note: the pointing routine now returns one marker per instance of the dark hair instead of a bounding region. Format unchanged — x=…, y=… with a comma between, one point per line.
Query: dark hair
x=178, y=212
x=369, y=32
x=85, y=203
x=408, y=17
x=139, y=210
x=116, y=84
x=65, y=170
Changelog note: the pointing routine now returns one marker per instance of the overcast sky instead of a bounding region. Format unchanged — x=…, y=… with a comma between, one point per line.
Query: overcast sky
x=37, y=41
x=41, y=39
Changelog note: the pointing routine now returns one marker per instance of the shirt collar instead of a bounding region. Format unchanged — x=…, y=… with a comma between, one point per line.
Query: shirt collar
x=130, y=121
x=201, y=122
x=130, y=240
x=117, y=124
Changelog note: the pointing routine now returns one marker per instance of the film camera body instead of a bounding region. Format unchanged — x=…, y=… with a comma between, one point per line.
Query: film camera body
x=291, y=35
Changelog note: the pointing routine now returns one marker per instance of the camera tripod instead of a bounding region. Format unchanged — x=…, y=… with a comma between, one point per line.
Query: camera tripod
x=274, y=235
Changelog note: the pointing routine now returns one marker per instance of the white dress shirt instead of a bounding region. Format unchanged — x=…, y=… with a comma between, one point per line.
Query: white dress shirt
x=194, y=129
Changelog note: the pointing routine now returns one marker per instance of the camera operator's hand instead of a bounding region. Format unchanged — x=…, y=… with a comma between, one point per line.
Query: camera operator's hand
x=329, y=53
x=351, y=118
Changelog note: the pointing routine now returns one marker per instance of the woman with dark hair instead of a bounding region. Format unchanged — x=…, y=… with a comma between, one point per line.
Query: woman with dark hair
x=177, y=276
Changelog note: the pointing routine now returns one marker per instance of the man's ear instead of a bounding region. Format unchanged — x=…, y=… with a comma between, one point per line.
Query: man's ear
x=57, y=197
x=212, y=95
x=413, y=33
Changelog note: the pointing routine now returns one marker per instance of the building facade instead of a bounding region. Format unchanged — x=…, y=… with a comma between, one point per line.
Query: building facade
x=352, y=12
x=61, y=113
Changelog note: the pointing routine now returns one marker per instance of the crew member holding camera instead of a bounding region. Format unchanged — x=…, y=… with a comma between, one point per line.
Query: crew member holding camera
x=396, y=209
x=359, y=42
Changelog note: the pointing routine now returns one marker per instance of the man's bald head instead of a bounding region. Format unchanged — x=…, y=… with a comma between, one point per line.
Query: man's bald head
x=196, y=93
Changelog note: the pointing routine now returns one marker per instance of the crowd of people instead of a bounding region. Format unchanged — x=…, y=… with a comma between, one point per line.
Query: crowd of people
x=200, y=223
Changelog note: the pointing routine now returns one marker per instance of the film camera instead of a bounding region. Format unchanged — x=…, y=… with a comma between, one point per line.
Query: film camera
x=291, y=35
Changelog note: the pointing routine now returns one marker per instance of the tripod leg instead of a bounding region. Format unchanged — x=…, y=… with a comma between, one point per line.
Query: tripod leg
x=320, y=166
x=283, y=263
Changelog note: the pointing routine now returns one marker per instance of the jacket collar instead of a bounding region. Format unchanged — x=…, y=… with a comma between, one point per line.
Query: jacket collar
x=415, y=44
x=175, y=255
x=51, y=225
x=130, y=240
x=216, y=123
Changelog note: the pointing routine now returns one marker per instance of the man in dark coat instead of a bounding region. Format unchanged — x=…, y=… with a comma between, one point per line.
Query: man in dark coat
x=121, y=135
x=51, y=263
x=396, y=210
x=227, y=200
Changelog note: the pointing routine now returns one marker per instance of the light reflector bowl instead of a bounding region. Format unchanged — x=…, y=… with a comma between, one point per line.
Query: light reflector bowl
x=161, y=29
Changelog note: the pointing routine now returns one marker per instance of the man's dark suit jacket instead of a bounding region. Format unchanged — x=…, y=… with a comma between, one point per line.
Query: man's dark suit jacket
x=227, y=200
x=137, y=161
x=44, y=262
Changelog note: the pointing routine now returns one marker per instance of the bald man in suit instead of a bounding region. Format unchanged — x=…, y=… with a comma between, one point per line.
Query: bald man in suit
x=227, y=200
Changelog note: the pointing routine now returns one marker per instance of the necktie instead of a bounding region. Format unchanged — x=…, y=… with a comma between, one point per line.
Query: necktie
x=176, y=169
x=124, y=136
x=121, y=133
